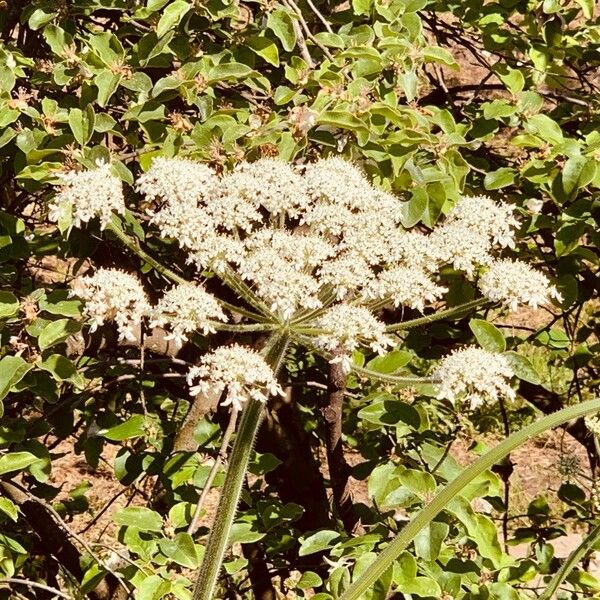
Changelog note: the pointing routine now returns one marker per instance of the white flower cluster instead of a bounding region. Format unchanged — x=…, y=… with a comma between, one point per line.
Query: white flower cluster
x=184, y=309
x=316, y=242
x=348, y=327
x=113, y=295
x=514, y=283
x=475, y=376
x=87, y=195
x=241, y=371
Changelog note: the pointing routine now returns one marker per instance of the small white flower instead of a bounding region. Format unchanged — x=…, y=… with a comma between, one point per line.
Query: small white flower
x=514, y=283
x=178, y=181
x=111, y=295
x=475, y=376
x=534, y=205
x=239, y=370
x=406, y=286
x=492, y=219
x=88, y=194
x=346, y=327
x=184, y=309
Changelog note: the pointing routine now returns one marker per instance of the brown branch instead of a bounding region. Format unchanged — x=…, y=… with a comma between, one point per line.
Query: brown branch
x=339, y=470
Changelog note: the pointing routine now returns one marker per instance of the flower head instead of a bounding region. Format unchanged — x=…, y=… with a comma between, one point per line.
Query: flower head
x=474, y=375
x=346, y=327
x=406, y=286
x=461, y=246
x=184, y=309
x=239, y=370
x=492, y=219
x=87, y=195
x=514, y=282
x=270, y=183
x=113, y=295
x=178, y=181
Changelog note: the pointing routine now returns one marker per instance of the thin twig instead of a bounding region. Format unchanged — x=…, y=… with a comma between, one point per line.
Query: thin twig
x=35, y=584
x=221, y=458
x=302, y=44
x=313, y=39
x=319, y=16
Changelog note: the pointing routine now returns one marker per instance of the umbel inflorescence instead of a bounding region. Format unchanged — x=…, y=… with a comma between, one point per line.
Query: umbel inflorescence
x=314, y=249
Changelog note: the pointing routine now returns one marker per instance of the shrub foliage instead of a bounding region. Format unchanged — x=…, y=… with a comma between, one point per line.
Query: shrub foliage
x=434, y=100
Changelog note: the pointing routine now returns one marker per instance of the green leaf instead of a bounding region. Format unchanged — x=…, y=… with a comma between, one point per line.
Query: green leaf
x=9, y=305
x=513, y=79
x=232, y=70
x=587, y=7
x=500, y=178
x=388, y=410
x=578, y=172
x=488, y=336
x=62, y=369
x=308, y=581
x=362, y=7
x=132, y=428
x=555, y=338
x=265, y=48
x=181, y=549
x=439, y=55
x=107, y=84
x=341, y=119
x=390, y=362
x=9, y=508
x=56, y=332
x=480, y=529
x=171, y=16
x=548, y=129
x=139, y=516
x=82, y=124
x=12, y=370
x=244, y=533
x=39, y=17
x=406, y=579
x=522, y=367
x=263, y=464
x=418, y=482
x=322, y=540
x=59, y=303
x=428, y=542
x=413, y=210
x=154, y=5
x=282, y=25
x=16, y=461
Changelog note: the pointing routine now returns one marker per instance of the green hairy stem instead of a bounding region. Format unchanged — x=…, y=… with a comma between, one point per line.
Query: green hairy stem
x=115, y=227
x=571, y=562
x=439, y=502
x=438, y=316
x=252, y=414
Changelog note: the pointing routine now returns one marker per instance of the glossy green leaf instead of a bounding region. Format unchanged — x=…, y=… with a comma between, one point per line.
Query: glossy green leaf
x=140, y=517
x=488, y=336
